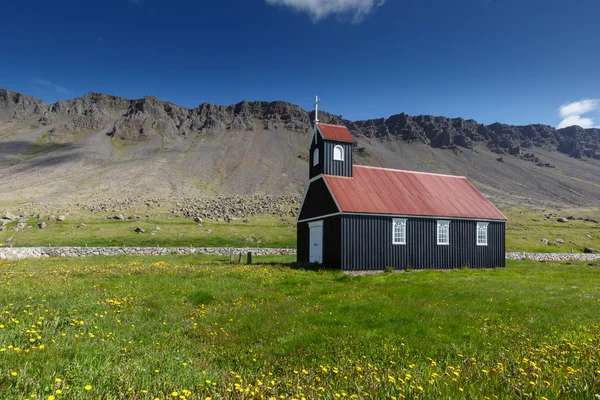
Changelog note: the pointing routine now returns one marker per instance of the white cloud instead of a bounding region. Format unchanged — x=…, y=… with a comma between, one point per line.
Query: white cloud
x=319, y=9
x=572, y=113
x=52, y=85
x=578, y=107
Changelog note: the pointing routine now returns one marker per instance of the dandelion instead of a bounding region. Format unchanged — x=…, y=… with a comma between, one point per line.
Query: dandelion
x=88, y=387
x=51, y=397
x=13, y=373
x=58, y=391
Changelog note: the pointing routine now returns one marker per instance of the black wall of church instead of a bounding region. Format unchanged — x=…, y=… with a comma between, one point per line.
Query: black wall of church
x=366, y=244
x=326, y=163
x=331, y=241
x=318, y=201
x=339, y=168
x=315, y=170
x=302, y=241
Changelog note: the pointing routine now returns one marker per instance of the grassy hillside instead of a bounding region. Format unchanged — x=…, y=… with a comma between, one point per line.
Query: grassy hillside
x=140, y=328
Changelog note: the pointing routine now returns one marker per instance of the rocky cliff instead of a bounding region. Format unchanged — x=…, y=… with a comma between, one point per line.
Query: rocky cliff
x=146, y=117
x=100, y=146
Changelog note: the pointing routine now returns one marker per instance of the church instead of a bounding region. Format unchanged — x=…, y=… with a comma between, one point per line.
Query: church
x=366, y=218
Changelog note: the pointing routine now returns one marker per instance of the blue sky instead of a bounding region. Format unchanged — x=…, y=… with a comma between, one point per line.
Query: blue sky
x=513, y=61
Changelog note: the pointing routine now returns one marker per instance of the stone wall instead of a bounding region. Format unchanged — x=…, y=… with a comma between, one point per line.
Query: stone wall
x=17, y=253
x=553, y=256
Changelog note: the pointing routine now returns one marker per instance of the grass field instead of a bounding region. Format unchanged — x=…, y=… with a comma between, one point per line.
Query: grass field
x=175, y=328
x=525, y=228
x=262, y=231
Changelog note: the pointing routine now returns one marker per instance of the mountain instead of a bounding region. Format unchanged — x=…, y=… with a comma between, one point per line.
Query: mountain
x=100, y=145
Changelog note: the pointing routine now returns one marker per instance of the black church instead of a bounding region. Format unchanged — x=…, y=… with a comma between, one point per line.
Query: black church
x=365, y=218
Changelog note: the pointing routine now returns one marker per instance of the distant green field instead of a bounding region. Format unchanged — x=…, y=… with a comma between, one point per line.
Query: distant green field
x=261, y=231
x=177, y=328
x=525, y=228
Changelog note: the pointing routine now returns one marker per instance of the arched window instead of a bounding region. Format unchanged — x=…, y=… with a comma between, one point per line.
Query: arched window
x=315, y=157
x=338, y=153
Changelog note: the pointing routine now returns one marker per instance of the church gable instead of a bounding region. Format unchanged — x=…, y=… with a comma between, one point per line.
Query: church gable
x=317, y=201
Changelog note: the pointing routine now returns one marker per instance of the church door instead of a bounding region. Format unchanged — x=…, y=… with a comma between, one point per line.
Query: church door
x=316, y=242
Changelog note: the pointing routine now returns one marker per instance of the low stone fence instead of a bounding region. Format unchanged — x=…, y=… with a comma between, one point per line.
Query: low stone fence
x=553, y=256
x=17, y=253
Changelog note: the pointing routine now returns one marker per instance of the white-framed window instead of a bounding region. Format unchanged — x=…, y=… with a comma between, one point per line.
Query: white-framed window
x=399, y=231
x=315, y=157
x=338, y=153
x=443, y=232
x=482, y=234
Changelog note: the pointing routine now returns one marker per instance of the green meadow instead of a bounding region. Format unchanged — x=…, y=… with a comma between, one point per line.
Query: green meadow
x=192, y=327
x=524, y=229
x=260, y=231
x=526, y=226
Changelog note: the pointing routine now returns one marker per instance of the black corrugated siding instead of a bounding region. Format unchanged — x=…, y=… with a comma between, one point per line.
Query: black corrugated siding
x=332, y=236
x=316, y=169
x=302, y=240
x=331, y=241
x=318, y=201
x=339, y=168
x=326, y=163
x=367, y=244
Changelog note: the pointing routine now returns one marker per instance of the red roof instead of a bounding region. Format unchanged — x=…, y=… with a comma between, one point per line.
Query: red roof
x=336, y=132
x=396, y=192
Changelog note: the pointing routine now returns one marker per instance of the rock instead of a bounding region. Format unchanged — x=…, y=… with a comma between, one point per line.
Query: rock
x=198, y=220
x=139, y=229
x=118, y=217
x=589, y=236
x=81, y=225
x=52, y=218
x=61, y=218
x=20, y=226
x=561, y=241
x=180, y=235
x=562, y=220
x=9, y=216
x=545, y=241
x=590, y=250
x=42, y=225
x=10, y=239
x=39, y=216
x=157, y=228
x=245, y=220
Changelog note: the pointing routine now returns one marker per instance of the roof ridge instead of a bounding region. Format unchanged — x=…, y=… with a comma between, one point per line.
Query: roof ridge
x=408, y=171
